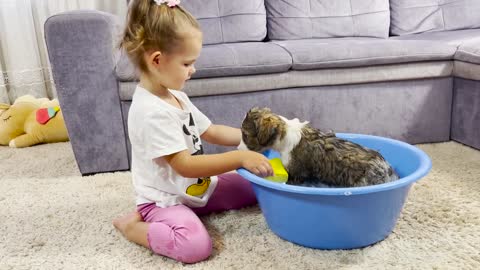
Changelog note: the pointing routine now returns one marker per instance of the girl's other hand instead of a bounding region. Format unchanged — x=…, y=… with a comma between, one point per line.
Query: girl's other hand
x=257, y=163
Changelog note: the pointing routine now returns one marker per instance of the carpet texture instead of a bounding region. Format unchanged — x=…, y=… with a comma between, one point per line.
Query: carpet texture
x=52, y=218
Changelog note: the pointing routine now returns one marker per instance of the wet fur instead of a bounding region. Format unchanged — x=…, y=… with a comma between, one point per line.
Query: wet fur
x=312, y=157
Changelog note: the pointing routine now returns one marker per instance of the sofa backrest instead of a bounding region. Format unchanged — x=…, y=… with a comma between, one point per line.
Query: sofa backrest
x=224, y=21
x=417, y=16
x=298, y=19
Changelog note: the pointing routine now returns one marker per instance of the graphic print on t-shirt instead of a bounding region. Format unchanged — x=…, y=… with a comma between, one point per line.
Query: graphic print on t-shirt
x=191, y=132
x=199, y=188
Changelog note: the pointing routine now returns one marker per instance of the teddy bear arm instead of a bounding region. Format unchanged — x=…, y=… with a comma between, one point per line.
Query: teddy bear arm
x=24, y=140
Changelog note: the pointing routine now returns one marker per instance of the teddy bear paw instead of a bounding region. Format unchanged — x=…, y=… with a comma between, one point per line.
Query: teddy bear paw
x=12, y=143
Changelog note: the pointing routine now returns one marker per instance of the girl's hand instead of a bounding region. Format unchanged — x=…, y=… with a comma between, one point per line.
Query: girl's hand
x=257, y=163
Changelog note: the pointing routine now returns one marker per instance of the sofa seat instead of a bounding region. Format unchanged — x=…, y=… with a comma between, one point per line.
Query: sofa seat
x=355, y=52
x=467, y=60
x=454, y=38
x=224, y=69
x=306, y=78
x=469, y=51
x=227, y=59
x=467, y=55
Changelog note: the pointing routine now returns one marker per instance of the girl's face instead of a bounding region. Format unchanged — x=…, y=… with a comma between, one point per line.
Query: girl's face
x=174, y=69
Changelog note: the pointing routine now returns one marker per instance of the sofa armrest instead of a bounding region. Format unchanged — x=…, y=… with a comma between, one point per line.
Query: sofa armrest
x=81, y=51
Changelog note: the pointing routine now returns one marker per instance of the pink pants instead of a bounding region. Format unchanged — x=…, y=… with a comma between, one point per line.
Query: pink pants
x=178, y=233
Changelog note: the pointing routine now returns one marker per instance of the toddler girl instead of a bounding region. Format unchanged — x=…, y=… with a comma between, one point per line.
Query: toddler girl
x=173, y=181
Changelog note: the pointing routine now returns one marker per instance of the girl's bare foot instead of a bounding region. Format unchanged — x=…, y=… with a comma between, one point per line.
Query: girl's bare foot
x=133, y=228
x=125, y=222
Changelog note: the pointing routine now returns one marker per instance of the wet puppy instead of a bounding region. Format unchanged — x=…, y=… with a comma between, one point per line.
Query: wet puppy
x=312, y=157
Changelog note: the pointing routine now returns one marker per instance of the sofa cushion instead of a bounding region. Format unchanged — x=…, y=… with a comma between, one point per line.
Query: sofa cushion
x=287, y=19
x=466, y=69
x=454, y=38
x=469, y=51
x=467, y=41
x=229, y=21
x=467, y=64
x=229, y=59
x=408, y=17
x=245, y=58
x=353, y=52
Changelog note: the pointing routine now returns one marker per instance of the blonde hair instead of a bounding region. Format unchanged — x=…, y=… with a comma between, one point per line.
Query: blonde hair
x=154, y=27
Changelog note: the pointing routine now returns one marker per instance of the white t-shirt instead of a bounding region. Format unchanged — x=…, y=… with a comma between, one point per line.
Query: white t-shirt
x=156, y=129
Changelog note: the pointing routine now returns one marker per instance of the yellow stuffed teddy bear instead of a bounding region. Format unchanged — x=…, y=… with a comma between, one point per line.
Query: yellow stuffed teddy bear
x=31, y=121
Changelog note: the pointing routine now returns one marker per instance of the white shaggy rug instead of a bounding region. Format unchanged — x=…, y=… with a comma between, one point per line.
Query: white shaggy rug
x=52, y=218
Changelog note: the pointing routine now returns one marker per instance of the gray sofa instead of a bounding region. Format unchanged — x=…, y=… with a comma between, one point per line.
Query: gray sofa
x=390, y=68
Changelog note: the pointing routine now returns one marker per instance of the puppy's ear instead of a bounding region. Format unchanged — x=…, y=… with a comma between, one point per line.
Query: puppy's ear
x=267, y=130
x=259, y=110
x=264, y=110
x=253, y=109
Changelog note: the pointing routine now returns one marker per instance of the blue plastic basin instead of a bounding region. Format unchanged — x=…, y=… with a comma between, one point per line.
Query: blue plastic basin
x=342, y=218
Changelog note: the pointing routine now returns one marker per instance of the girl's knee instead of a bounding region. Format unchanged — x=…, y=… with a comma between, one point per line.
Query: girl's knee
x=187, y=244
x=197, y=249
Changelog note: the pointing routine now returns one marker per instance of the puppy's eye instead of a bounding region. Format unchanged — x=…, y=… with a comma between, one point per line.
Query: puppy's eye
x=6, y=119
